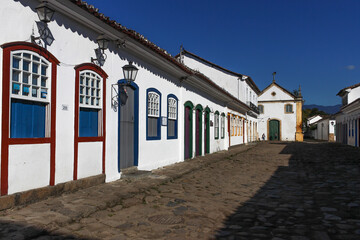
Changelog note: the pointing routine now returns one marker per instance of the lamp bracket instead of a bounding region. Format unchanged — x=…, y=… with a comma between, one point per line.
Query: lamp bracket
x=118, y=94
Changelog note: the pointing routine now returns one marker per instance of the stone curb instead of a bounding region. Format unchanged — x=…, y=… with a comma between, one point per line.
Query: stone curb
x=39, y=194
x=103, y=196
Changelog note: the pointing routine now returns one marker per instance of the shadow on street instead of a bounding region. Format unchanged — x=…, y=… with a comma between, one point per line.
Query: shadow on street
x=317, y=196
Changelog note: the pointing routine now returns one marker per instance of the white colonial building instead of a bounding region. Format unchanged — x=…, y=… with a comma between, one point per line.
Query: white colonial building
x=280, y=114
x=242, y=124
x=324, y=129
x=348, y=119
x=69, y=113
x=313, y=119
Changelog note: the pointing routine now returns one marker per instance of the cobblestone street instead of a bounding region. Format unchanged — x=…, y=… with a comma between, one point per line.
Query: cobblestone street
x=294, y=191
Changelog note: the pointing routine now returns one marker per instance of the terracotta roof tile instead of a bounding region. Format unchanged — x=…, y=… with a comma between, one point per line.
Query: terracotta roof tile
x=249, y=80
x=342, y=91
x=144, y=41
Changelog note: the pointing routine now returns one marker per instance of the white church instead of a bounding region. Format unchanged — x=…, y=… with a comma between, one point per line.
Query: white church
x=280, y=114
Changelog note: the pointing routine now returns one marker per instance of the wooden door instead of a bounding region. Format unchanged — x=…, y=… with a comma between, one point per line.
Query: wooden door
x=198, y=132
x=274, y=131
x=188, y=133
x=127, y=117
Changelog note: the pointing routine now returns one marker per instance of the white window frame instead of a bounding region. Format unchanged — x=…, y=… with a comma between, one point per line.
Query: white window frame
x=34, y=59
x=153, y=104
x=172, y=108
x=216, y=127
x=222, y=126
x=90, y=87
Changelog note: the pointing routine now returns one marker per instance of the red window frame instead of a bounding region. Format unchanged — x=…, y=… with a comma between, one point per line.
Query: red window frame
x=77, y=139
x=5, y=138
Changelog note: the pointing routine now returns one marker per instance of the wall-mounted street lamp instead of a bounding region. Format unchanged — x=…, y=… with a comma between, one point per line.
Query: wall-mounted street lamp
x=45, y=14
x=103, y=44
x=130, y=72
x=118, y=92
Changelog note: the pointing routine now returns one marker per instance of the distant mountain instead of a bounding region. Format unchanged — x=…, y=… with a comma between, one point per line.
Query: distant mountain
x=327, y=109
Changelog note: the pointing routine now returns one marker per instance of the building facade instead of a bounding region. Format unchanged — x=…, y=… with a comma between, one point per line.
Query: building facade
x=280, y=115
x=348, y=118
x=324, y=129
x=68, y=113
x=242, y=123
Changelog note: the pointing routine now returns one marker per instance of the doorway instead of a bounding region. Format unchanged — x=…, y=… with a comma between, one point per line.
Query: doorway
x=274, y=130
x=207, y=131
x=188, y=128
x=198, y=136
x=128, y=129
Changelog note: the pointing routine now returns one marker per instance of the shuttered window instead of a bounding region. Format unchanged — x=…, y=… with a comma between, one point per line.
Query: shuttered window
x=288, y=108
x=222, y=125
x=90, y=96
x=261, y=109
x=172, y=117
x=153, y=114
x=216, y=128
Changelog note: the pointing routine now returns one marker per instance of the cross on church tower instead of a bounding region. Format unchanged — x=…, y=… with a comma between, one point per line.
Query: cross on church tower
x=274, y=73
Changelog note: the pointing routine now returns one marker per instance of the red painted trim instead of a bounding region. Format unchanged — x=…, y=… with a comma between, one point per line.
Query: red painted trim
x=76, y=123
x=5, y=122
x=104, y=124
x=32, y=47
x=77, y=139
x=91, y=66
x=14, y=141
x=90, y=139
x=229, y=132
x=6, y=140
x=53, y=125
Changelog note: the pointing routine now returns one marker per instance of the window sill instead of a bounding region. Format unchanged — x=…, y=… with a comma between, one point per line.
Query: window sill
x=170, y=138
x=29, y=140
x=91, y=139
x=152, y=138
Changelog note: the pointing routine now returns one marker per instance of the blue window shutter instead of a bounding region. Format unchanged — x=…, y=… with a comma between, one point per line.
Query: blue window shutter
x=27, y=119
x=88, y=122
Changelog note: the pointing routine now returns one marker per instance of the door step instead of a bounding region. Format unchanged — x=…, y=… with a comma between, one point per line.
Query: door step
x=134, y=173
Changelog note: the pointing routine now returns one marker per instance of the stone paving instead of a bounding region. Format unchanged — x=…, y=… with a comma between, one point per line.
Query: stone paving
x=272, y=191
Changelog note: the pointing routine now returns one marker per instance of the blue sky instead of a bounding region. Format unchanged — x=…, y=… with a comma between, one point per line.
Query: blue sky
x=312, y=43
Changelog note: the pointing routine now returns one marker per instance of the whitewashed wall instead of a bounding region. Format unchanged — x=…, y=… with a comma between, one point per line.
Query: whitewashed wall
x=74, y=44
x=228, y=81
x=353, y=94
x=274, y=108
x=196, y=97
x=29, y=167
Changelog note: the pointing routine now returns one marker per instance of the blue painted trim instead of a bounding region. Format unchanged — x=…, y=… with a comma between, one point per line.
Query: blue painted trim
x=158, y=137
x=136, y=123
x=176, y=121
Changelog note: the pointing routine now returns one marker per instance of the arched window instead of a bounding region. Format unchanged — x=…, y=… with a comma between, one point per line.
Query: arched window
x=222, y=125
x=288, y=108
x=261, y=109
x=153, y=126
x=90, y=102
x=216, y=127
x=172, y=117
x=28, y=103
x=30, y=95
